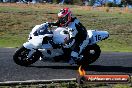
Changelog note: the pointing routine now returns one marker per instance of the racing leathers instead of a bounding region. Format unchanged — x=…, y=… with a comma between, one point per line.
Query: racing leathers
x=77, y=33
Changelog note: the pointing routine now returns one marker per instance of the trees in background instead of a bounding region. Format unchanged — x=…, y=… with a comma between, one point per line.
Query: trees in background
x=91, y=2
x=113, y=3
x=109, y=3
x=126, y=2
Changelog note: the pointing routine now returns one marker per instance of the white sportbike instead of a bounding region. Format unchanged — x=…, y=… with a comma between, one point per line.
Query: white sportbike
x=50, y=45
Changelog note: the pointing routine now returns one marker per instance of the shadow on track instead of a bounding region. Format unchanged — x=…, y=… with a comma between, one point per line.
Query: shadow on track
x=57, y=67
x=96, y=68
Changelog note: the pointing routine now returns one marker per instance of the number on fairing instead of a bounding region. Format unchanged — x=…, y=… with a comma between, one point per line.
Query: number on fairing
x=98, y=37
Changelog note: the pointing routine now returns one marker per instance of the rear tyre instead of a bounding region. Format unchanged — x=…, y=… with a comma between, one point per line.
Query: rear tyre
x=90, y=55
x=21, y=57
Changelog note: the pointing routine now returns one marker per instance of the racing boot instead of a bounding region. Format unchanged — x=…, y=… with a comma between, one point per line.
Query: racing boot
x=72, y=61
x=74, y=58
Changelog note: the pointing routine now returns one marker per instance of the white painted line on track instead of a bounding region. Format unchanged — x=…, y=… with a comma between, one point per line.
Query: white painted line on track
x=36, y=81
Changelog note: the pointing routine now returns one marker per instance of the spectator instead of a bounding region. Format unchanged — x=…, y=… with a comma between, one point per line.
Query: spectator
x=85, y=2
x=66, y=1
x=23, y=1
x=49, y=1
x=5, y=0
x=62, y=2
x=34, y=1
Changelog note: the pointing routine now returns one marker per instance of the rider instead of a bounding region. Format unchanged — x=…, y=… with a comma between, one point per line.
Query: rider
x=76, y=30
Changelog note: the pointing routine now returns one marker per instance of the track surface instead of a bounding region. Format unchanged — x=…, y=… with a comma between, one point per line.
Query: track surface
x=108, y=63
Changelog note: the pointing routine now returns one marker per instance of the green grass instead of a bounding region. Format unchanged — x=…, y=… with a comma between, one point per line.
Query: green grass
x=16, y=21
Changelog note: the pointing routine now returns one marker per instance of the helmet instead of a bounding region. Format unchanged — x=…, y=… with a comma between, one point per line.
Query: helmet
x=64, y=16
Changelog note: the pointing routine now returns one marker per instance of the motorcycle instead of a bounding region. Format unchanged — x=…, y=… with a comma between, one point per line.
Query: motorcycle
x=50, y=45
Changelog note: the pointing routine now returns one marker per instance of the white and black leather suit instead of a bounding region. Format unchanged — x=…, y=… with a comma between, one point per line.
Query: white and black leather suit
x=78, y=34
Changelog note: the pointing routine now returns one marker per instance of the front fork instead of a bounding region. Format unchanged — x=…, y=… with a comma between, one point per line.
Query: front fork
x=31, y=52
x=31, y=49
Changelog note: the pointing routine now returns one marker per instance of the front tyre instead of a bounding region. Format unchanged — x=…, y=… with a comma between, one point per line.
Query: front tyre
x=90, y=55
x=21, y=57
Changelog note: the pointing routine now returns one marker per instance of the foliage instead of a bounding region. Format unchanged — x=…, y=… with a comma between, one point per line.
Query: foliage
x=126, y=2
x=111, y=4
x=92, y=2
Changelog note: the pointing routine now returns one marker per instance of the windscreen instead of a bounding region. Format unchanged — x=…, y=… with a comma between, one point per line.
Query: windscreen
x=42, y=30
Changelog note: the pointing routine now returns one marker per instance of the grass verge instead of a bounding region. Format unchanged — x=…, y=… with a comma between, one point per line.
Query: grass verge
x=65, y=84
x=70, y=85
x=17, y=20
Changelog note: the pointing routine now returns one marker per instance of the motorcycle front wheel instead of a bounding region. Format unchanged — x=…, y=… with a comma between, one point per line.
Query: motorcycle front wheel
x=21, y=57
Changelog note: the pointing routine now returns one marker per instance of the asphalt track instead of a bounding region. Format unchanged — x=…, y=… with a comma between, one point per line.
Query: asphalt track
x=108, y=63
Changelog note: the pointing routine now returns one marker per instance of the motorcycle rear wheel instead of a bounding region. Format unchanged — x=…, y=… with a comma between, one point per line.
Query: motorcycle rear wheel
x=21, y=57
x=90, y=55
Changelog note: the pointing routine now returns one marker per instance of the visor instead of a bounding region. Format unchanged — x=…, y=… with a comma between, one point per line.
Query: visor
x=63, y=20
